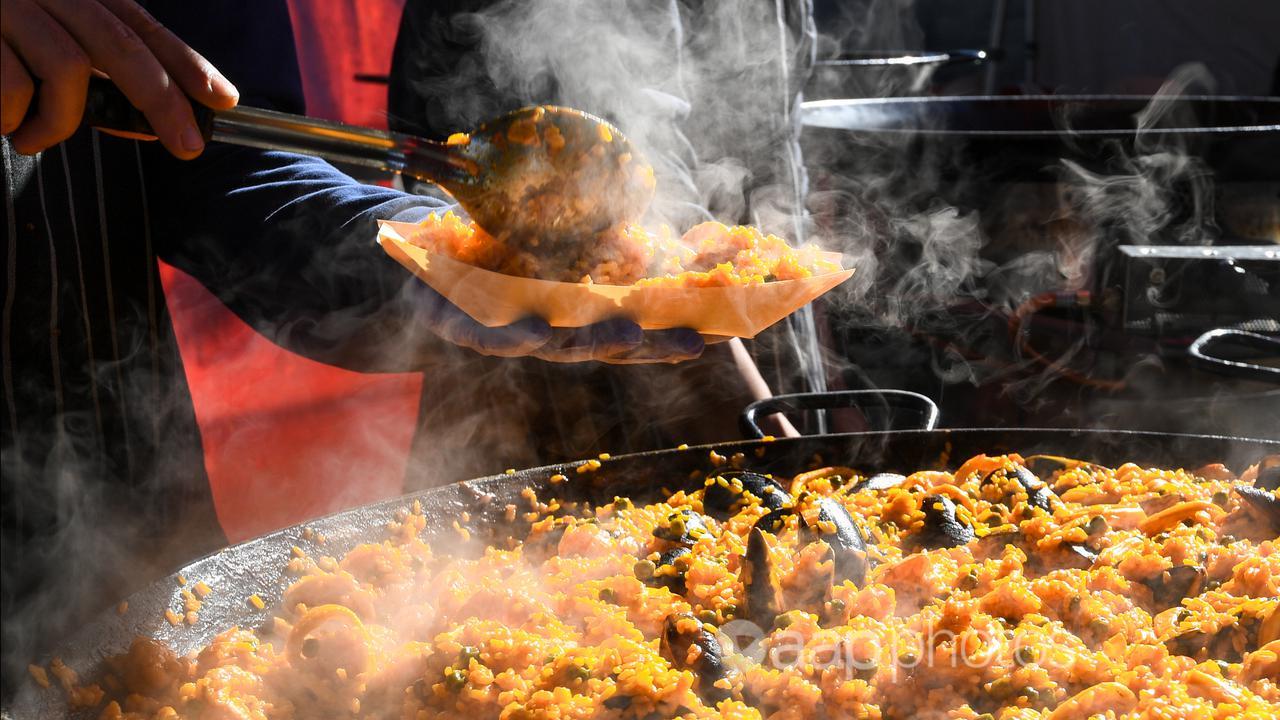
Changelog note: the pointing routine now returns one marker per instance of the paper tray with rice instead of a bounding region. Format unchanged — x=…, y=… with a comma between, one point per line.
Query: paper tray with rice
x=495, y=299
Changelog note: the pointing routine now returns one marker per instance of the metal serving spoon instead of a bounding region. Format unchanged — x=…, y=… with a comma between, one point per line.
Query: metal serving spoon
x=538, y=176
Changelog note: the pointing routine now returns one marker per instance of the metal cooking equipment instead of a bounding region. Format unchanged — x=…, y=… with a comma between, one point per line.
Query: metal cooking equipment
x=1024, y=137
x=1116, y=302
x=591, y=185
x=257, y=566
x=1182, y=291
x=882, y=58
x=879, y=72
x=1030, y=116
x=875, y=409
x=1202, y=354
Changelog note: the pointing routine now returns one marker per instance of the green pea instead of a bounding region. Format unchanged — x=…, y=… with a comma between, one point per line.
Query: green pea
x=1024, y=656
x=455, y=680
x=644, y=569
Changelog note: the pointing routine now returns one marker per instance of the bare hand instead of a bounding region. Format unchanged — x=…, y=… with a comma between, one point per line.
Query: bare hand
x=51, y=46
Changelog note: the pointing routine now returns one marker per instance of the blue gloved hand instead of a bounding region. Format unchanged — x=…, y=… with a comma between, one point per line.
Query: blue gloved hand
x=617, y=341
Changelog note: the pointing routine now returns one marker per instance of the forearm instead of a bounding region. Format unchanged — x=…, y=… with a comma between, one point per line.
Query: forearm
x=287, y=242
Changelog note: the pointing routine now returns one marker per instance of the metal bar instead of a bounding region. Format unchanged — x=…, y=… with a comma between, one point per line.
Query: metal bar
x=996, y=39
x=1202, y=252
x=1030, y=64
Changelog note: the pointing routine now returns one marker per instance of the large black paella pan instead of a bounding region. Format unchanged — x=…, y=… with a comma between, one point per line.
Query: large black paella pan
x=257, y=566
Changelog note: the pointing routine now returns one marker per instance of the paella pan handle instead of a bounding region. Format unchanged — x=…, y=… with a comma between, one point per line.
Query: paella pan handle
x=1203, y=355
x=859, y=399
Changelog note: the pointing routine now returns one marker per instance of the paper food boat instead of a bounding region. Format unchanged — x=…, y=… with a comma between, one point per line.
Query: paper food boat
x=494, y=299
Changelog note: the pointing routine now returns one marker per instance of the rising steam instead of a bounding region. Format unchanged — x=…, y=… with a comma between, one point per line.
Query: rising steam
x=711, y=99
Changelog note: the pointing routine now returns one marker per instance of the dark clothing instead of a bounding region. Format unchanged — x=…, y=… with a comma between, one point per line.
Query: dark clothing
x=104, y=484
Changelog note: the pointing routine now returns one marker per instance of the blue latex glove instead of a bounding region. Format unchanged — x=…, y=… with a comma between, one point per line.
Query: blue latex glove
x=617, y=341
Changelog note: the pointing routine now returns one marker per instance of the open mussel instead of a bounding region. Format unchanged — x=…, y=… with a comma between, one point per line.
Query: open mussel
x=943, y=525
x=763, y=593
x=833, y=524
x=1267, y=505
x=1221, y=644
x=775, y=520
x=1228, y=643
x=670, y=570
x=1078, y=556
x=993, y=542
x=1255, y=626
x=1068, y=555
x=1178, y=582
x=727, y=491
x=683, y=526
x=1268, y=477
x=880, y=481
x=689, y=645
x=1020, y=479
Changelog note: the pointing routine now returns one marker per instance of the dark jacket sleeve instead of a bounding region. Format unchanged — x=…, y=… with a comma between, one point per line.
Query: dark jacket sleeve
x=286, y=241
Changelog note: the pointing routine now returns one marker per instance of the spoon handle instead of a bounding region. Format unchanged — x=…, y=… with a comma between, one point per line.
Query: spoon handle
x=339, y=142
x=108, y=108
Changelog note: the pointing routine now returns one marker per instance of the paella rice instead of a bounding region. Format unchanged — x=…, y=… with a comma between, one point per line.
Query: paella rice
x=993, y=591
x=709, y=254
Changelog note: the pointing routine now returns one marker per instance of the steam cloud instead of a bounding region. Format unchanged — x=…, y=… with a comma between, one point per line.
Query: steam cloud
x=711, y=99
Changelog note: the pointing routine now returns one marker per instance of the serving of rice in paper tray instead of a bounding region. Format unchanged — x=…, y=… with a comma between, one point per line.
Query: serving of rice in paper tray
x=720, y=280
